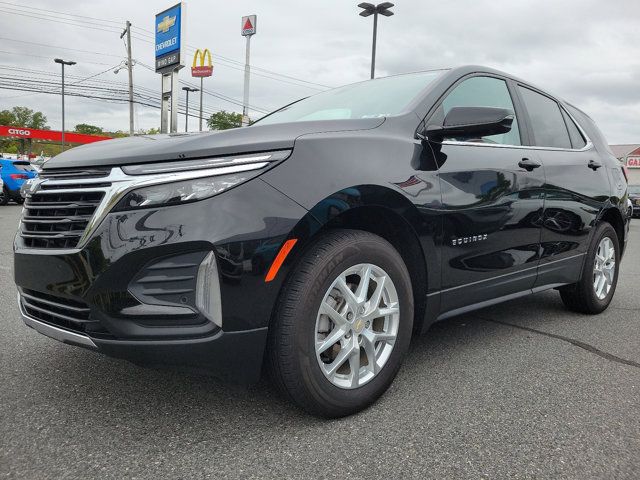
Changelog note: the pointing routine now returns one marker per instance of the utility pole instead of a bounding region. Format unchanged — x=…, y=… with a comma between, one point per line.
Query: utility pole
x=63, y=63
x=186, y=115
x=127, y=32
x=370, y=9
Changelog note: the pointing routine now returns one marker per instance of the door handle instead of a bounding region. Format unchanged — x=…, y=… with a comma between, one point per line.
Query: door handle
x=528, y=164
x=593, y=165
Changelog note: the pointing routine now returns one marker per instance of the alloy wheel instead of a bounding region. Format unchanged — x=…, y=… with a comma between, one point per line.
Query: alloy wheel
x=604, y=268
x=357, y=326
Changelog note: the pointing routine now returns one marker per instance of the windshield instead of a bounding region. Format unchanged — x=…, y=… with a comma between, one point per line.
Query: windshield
x=23, y=166
x=372, y=99
x=634, y=189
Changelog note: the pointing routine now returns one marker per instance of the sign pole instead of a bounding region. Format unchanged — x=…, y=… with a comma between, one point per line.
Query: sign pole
x=173, y=128
x=248, y=30
x=201, y=82
x=247, y=76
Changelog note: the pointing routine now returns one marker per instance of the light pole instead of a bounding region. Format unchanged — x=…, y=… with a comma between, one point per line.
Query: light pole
x=63, y=63
x=371, y=9
x=186, y=116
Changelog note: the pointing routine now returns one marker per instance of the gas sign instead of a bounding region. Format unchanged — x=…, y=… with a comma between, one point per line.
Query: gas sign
x=249, y=25
x=633, y=162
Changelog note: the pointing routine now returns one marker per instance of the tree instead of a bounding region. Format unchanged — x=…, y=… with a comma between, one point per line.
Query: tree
x=224, y=120
x=151, y=131
x=23, y=117
x=87, y=129
x=7, y=118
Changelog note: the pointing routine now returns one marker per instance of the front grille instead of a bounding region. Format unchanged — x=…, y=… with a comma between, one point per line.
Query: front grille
x=74, y=173
x=57, y=219
x=60, y=312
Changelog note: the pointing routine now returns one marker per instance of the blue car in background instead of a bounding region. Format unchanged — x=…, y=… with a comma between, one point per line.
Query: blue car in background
x=14, y=173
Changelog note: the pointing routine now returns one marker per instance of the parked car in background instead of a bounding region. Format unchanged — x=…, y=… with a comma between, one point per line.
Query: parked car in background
x=38, y=163
x=634, y=196
x=26, y=185
x=14, y=173
x=318, y=240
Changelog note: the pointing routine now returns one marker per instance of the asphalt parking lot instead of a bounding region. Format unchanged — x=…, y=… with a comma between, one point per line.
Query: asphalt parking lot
x=525, y=389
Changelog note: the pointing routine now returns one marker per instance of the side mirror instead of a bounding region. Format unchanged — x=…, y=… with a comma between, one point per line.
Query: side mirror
x=471, y=122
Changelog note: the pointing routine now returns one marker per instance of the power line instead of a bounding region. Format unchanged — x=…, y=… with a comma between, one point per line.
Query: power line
x=62, y=13
x=28, y=12
x=58, y=47
x=150, y=34
x=42, y=56
x=113, y=29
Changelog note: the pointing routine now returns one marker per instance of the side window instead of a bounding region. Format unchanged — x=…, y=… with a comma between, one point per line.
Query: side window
x=549, y=129
x=577, y=140
x=482, y=92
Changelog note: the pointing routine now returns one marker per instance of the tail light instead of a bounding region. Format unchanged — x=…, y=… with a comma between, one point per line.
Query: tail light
x=19, y=176
x=625, y=172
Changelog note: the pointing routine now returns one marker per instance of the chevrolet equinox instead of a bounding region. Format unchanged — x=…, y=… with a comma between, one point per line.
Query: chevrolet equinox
x=318, y=240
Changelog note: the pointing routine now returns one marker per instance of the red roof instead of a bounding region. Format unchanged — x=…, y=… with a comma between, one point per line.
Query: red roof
x=48, y=135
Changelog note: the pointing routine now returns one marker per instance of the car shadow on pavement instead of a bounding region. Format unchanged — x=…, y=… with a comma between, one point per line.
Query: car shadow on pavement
x=104, y=388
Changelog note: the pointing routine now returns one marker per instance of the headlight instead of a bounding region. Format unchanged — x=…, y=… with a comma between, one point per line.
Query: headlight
x=180, y=192
x=172, y=183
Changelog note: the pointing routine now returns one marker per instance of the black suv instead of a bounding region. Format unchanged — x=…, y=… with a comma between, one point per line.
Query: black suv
x=318, y=240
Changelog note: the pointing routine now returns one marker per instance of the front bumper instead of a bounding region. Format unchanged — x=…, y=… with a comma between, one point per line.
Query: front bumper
x=129, y=291
x=235, y=357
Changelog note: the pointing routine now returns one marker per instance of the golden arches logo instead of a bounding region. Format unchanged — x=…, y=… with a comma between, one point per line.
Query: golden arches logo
x=202, y=70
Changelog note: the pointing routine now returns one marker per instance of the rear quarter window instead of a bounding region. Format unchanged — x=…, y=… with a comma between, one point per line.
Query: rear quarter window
x=577, y=140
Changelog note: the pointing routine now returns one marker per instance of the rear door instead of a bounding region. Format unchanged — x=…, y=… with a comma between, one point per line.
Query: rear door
x=576, y=190
x=491, y=206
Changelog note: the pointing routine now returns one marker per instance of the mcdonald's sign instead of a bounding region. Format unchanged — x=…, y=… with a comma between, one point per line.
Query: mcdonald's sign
x=202, y=70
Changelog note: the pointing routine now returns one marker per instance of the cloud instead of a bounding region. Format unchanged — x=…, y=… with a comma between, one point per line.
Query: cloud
x=585, y=51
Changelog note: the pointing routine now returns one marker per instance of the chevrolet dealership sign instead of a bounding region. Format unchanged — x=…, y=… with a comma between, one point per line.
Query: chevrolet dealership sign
x=169, y=38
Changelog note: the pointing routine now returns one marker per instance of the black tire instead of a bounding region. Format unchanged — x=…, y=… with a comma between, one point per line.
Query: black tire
x=291, y=353
x=581, y=296
x=19, y=200
x=4, y=196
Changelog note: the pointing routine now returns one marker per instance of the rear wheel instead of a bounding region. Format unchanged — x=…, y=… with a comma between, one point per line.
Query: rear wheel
x=343, y=324
x=594, y=291
x=4, y=196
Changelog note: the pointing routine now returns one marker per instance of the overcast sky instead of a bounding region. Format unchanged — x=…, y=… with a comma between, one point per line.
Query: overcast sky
x=585, y=51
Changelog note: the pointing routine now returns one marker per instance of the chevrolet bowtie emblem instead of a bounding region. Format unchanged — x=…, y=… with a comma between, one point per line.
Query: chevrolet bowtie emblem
x=166, y=23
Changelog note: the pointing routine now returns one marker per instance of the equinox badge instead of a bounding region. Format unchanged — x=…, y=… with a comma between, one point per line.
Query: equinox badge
x=472, y=239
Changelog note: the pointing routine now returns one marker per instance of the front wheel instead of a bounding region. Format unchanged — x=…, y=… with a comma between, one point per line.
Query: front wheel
x=594, y=291
x=342, y=325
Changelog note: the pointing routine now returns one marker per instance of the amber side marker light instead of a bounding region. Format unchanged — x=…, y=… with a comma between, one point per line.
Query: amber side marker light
x=279, y=260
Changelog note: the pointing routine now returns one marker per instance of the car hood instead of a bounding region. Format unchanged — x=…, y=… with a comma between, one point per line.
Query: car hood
x=177, y=146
